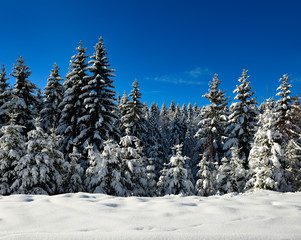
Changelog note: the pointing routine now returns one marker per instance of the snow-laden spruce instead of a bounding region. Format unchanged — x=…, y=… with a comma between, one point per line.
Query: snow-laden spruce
x=175, y=179
x=53, y=93
x=5, y=95
x=41, y=169
x=265, y=158
x=106, y=172
x=12, y=149
x=242, y=119
x=24, y=101
x=71, y=124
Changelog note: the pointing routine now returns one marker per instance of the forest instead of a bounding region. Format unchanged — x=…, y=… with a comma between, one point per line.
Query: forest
x=78, y=135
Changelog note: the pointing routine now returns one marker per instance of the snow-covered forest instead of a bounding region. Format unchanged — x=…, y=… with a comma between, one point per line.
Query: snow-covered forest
x=79, y=135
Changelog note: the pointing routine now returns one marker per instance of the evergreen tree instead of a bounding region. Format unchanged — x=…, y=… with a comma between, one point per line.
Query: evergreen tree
x=99, y=99
x=133, y=118
x=177, y=129
x=231, y=176
x=242, y=119
x=206, y=184
x=164, y=129
x=73, y=120
x=161, y=184
x=25, y=93
x=176, y=176
x=40, y=170
x=4, y=97
x=211, y=131
x=12, y=149
x=53, y=93
x=105, y=172
x=134, y=167
x=74, y=173
x=266, y=155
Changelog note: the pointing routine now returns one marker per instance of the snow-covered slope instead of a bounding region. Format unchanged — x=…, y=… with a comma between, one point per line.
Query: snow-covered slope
x=259, y=215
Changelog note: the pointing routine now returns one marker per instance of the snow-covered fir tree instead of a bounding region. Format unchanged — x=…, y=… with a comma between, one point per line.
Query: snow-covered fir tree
x=25, y=92
x=12, y=149
x=73, y=181
x=211, y=131
x=161, y=184
x=40, y=171
x=177, y=129
x=164, y=122
x=53, y=93
x=206, y=175
x=99, y=100
x=231, y=175
x=242, y=119
x=73, y=120
x=176, y=176
x=133, y=119
x=154, y=149
x=266, y=155
x=4, y=97
x=104, y=174
x=134, y=167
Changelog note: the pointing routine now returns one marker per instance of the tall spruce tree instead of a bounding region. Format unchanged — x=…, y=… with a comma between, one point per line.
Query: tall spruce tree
x=53, y=93
x=99, y=99
x=72, y=122
x=25, y=92
x=5, y=94
x=133, y=119
x=242, y=119
x=266, y=155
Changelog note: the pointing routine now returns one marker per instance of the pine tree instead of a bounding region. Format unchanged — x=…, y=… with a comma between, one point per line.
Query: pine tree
x=176, y=176
x=164, y=129
x=4, y=97
x=206, y=184
x=161, y=184
x=211, y=131
x=12, y=145
x=72, y=121
x=25, y=92
x=104, y=174
x=53, y=93
x=134, y=167
x=74, y=173
x=40, y=170
x=132, y=115
x=177, y=129
x=266, y=155
x=231, y=175
x=242, y=119
x=99, y=99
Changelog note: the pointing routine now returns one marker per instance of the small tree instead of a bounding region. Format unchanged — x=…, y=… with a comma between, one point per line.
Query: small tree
x=176, y=176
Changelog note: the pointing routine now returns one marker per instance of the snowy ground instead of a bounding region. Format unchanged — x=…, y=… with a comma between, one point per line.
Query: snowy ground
x=260, y=215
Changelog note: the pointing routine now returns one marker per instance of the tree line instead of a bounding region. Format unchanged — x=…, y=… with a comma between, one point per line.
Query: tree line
x=76, y=135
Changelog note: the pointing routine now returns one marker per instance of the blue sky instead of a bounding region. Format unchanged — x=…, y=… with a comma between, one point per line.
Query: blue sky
x=173, y=47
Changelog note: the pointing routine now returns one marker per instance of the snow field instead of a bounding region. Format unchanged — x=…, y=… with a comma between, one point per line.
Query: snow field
x=254, y=215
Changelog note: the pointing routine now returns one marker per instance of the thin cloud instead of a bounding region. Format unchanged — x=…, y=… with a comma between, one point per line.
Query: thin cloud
x=197, y=76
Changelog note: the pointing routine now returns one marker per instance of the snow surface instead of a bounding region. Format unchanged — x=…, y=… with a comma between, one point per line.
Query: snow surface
x=254, y=215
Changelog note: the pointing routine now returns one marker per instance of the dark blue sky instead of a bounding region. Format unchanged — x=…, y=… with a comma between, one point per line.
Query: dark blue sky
x=173, y=47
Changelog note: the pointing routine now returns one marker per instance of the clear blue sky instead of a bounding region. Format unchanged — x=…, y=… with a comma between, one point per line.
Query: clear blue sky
x=172, y=47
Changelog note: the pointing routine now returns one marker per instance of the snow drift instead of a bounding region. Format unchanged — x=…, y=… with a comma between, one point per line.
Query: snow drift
x=254, y=215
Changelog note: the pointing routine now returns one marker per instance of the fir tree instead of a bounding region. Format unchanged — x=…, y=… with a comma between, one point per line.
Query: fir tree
x=40, y=170
x=161, y=184
x=53, y=93
x=25, y=93
x=242, y=119
x=134, y=167
x=74, y=173
x=5, y=94
x=99, y=99
x=176, y=176
x=12, y=145
x=105, y=172
x=266, y=154
x=133, y=118
x=72, y=121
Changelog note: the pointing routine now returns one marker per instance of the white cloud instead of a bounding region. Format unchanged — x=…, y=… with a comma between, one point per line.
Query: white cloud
x=197, y=76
